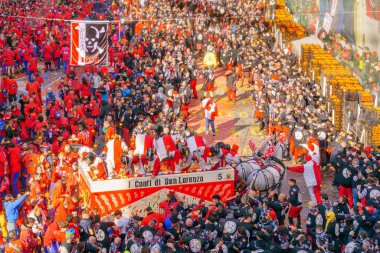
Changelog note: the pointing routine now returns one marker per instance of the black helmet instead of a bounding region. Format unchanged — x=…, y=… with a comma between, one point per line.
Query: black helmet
x=185, y=150
x=150, y=154
x=124, y=159
x=90, y=157
x=215, y=150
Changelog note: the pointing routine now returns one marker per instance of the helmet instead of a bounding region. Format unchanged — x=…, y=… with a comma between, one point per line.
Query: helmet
x=89, y=157
x=215, y=150
x=185, y=150
x=150, y=154
x=124, y=159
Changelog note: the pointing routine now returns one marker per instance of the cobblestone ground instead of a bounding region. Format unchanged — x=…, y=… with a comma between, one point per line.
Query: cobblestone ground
x=235, y=125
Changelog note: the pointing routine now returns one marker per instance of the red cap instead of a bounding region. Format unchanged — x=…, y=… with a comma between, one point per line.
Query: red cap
x=308, y=158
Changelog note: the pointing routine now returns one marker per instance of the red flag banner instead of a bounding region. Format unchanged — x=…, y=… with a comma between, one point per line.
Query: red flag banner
x=89, y=43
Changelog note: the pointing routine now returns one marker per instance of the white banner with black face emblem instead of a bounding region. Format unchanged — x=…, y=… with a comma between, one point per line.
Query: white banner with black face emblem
x=89, y=43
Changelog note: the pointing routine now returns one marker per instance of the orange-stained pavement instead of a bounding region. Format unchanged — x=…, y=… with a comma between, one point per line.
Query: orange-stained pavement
x=234, y=125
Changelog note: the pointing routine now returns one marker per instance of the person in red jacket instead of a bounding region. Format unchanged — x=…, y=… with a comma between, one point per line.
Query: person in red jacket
x=150, y=215
x=91, y=127
x=28, y=239
x=57, y=56
x=94, y=107
x=47, y=52
x=12, y=88
x=25, y=57
x=169, y=204
x=17, y=59
x=15, y=166
x=3, y=163
x=65, y=52
x=32, y=67
x=8, y=56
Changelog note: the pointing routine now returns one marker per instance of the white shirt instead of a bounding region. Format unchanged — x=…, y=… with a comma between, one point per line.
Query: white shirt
x=122, y=224
x=97, y=80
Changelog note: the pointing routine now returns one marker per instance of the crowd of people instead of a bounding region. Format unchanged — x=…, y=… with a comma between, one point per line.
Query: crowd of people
x=145, y=92
x=364, y=65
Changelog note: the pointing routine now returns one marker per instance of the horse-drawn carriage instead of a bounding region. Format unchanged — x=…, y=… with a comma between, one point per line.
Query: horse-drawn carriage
x=264, y=171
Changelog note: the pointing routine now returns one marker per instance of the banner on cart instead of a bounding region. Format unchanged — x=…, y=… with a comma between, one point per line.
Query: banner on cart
x=161, y=180
x=89, y=43
x=135, y=194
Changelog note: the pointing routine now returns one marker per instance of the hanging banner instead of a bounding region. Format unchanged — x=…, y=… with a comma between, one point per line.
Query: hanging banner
x=89, y=43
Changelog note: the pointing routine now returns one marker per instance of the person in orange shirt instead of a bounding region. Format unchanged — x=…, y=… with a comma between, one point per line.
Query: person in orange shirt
x=62, y=211
x=54, y=235
x=59, y=191
x=138, y=28
x=109, y=130
x=84, y=136
x=30, y=162
x=35, y=187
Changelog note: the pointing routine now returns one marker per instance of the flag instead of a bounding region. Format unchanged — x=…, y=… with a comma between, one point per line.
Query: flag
x=143, y=142
x=194, y=142
x=89, y=43
x=166, y=147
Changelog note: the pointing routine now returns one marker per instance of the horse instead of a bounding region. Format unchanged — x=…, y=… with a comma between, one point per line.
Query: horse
x=281, y=149
x=263, y=175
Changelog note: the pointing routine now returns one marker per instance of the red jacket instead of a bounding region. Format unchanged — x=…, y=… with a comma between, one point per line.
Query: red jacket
x=32, y=64
x=153, y=216
x=8, y=57
x=28, y=241
x=47, y=53
x=12, y=86
x=14, y=159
